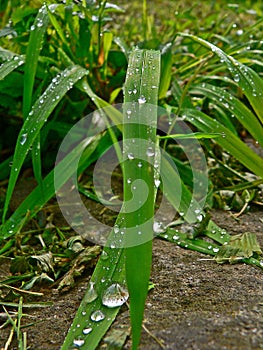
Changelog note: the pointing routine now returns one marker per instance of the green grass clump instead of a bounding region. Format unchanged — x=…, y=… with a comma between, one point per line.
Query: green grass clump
x=202, y=65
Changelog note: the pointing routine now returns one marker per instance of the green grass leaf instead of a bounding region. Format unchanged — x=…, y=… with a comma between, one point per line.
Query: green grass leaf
x=237, y=109
x=39, y=114
x=38, y=29
x=228, y=141
x=10, y=65
x=140, y=120
x=247, y=79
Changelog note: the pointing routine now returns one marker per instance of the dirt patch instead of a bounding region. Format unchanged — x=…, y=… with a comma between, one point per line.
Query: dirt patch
x=196, y=303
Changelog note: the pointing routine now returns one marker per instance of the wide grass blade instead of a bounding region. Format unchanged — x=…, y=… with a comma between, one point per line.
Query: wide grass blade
x=140, y=120
x=247, y=79
x=237, y=109
x=109, y=271
x=228, y=141
x=39, y=114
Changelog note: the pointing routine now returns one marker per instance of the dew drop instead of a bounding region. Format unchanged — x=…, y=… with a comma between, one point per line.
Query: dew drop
x=116, y=229
x=97, y=316
x=23, y=139
x=115, y=295
x=150, y=152
x=129, y=180
x=104, y=255
x=141, y=100
x=87, y=330
x=236, y=78
x=139, y=164
x=215, y=250
x=130, y=156
x=91, y=294
x=157, y=183
x=78, y=342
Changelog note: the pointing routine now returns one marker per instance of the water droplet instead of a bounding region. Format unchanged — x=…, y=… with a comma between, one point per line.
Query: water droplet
x=129, y=180
x=97, y=316
x=115, y=295
x=104, y=255
x=139, y=164
x=158, y=227
x=130, y=91
x=134, y=91
x=32, y=27
x=87, y=330
x=236, y=78
x=157, y=183
x=150, y=152
x=91, y=294
x=78, y=342
x=116, y=229
x=175, y=237
x=130, y=156
x=141, y=100
x=23, y=139
x=215, y=250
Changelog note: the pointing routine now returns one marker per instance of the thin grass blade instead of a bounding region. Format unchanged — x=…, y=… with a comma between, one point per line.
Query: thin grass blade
x=39, y=114
x=38, y=30
x=242, y=113
x=11, y=64
x=247, y=79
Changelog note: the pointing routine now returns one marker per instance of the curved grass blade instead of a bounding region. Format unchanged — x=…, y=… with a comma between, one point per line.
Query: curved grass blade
x=247, y=79
x=39, y=114
x=228, y=141
x=34, y=201
x=236, y=108
x=38, y=29
x=141, y=86
x=84, y=331
x=10, y=65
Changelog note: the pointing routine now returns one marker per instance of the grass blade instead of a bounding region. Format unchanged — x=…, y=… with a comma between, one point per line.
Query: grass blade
x=237, y=108
x=247, y=79
x=140, y=119
x=38, y=29
x=228, y=141
x=37, y=118
x=35, y=200
x=10, y=65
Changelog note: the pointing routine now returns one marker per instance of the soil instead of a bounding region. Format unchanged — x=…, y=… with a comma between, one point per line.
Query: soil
x=195, y=304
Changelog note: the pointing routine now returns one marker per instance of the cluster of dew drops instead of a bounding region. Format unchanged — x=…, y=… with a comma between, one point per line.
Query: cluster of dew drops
x=114, y=296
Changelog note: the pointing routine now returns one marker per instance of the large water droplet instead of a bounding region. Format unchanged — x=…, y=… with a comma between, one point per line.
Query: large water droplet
x=97, y=316
x=23, y=139
x=91, y=294
x=141, y=100
x=115, y=295
x=150, y=152
x=78, y=342
x=87, y=330
x=130, y=156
